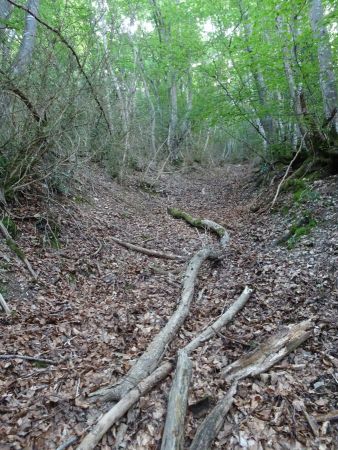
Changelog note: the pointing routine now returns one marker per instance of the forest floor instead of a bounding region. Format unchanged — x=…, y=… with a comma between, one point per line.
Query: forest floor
x=96, y=305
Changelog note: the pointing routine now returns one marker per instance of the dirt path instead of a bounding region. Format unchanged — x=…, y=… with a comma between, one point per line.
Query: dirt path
x=97, y=305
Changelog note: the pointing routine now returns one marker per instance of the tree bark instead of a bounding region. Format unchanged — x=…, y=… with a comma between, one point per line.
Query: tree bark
x=25, y=54
x=270, y=352
x=326, y=70
x=173, y=435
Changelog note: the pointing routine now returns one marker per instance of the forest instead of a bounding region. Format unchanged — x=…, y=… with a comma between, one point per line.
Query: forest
x=168, y=224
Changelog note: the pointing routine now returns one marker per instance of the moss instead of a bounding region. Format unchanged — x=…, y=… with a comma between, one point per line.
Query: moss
x=301, y=190
x=145, y=186
x=302, y=228
x=178, y=214
x=80, y=200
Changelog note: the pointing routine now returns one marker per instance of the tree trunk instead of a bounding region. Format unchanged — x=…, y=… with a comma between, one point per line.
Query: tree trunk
x=326, y=72
x=25, y=54
x=172, y=131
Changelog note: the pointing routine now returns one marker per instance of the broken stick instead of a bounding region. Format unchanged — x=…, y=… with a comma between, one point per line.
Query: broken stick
x=214, y=421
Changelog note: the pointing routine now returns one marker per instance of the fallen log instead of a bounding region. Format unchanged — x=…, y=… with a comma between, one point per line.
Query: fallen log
x=229, y=314
x=269, y=353
x=173, y=434
x=117, y=411
x=147, y=251
x=202, y=223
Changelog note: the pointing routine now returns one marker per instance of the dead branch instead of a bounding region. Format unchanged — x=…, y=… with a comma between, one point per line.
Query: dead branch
x=270, y=352
x=216, y=325
x=4, y=306
x=202, y=223
x=287, y=171
x=15, y=249
x=223, y=320
x=148, y=251
x=173, y=434
x=68, y=443
x=29, y=358
x=214, y=421
x=116, y=412
x=149, y=360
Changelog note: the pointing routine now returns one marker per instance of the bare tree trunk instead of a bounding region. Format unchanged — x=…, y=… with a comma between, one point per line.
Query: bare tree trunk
x=172, y=131
x=293, y=90
x=266, y=121
x=25, y=54
x=327, y=76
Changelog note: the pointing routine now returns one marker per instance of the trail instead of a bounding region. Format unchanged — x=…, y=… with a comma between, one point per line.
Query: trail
x=97, y=305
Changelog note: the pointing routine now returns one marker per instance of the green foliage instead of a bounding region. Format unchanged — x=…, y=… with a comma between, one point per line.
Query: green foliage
x=302, y=191
x=225, y=60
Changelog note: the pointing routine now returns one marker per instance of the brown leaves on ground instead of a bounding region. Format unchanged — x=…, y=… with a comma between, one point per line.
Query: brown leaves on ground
x=97, y=305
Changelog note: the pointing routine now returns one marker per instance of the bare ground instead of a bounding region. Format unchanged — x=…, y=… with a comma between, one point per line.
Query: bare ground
x=97, y=305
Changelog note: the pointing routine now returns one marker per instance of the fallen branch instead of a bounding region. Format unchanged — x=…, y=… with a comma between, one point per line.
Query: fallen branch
x=15, y=249
x=332, y=415
x=150, y=359
x=29, y=358
x=173, y=434
x=229, y=314
x=148, y=251
x=4, y=306
x=117, y=411
x=223, y=320
x=287, y=171
x=214, y=421
x=269, y=353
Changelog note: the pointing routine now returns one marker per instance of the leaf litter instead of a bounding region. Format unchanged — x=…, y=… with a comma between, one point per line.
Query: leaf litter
x=97, y=305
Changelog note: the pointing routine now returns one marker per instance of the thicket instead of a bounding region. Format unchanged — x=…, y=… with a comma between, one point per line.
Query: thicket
x=135, y=84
